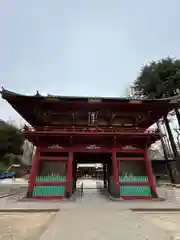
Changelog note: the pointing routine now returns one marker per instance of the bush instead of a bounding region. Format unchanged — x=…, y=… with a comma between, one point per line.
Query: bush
x=11, y=142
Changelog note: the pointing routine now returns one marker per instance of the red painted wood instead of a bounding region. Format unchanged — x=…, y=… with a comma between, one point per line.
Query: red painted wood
x=78, y=149
x=149, y=169
x=85, y=128
x=135, y=197
x=60, y=103
x=46, y=149
x=69, y=172
x=134, y=183
x=81, y=133
x=34, y=171
x=45, y=158
x=130, y=159
x=82, y=148
x=115, y=170
x=48, y=197
x=138, y=150
x=50, y=183
x=83, y=141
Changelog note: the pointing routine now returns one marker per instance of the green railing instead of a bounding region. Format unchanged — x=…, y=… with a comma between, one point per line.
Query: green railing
x=133, y=179
x=131, y=190
x=50, y=178
x=53, y=190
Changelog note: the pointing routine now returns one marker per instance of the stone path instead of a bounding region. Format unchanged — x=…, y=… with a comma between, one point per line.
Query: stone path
x=101, y=222
x=94, y=217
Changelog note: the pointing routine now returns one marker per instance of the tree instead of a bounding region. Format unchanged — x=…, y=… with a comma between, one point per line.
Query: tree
x=160, y=79
x=11, y=141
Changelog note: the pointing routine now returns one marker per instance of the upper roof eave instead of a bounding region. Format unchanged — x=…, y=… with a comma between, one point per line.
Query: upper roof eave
x=22, y=104
x=6, y=94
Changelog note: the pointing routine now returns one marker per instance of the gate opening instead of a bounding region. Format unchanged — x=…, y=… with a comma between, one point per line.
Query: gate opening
x=92, y=169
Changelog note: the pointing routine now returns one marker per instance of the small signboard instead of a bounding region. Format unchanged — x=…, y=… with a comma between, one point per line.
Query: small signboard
x=94, y=100
x=128, y=147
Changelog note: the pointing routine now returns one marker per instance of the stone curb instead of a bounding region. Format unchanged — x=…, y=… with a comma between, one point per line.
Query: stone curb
x=31, y=200
x=155, y=209
x=136, y=200
x=169, y=185
x=25, y=210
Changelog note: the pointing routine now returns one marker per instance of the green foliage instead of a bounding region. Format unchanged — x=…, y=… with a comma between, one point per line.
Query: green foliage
x=159, y=79
x=11, y=141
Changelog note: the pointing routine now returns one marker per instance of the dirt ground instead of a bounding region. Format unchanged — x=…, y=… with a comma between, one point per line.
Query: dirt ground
x=167, y=221
x=23, y=226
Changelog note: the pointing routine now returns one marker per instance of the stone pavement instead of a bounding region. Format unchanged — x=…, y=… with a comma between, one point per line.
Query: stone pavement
x=94, y=218
x=91, y=220
x=96, y=221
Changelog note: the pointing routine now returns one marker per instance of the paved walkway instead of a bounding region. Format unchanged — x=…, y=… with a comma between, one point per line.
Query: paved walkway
x=96, y=221
x=95, y=218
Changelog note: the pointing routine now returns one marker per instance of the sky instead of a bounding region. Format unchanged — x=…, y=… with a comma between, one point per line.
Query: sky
x=82, y=47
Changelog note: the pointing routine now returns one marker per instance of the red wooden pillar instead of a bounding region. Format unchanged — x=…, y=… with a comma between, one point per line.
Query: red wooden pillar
x=33, y=172
x=150, y=172
x=69, y=174
x=115, y=173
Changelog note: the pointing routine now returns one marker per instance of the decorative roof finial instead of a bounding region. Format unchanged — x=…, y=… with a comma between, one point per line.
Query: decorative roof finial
x=2, y=89
x=37, y=94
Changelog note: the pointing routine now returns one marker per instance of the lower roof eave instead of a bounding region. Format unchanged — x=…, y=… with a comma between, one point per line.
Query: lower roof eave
x=85, y=133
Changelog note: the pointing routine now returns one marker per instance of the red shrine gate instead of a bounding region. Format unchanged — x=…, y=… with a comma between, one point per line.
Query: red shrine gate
x=115, y=181
x=116, y=149
x=68, y=130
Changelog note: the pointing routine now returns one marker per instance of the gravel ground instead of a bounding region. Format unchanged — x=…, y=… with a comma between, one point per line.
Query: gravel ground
x=23, y=226
x=167, y=221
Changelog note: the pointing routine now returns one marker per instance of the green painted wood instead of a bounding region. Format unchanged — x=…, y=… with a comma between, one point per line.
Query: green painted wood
x=133, y=178
x=52, y=190
x=51, y=178
x=135, y=190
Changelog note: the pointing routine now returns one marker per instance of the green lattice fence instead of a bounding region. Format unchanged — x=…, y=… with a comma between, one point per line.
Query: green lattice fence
x=50, y=178
x=131, y=190
x=52, y=190
x=133, y=179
